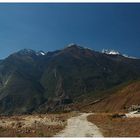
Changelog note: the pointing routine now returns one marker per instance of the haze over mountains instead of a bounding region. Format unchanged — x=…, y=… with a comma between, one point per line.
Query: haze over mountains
x=54, y=81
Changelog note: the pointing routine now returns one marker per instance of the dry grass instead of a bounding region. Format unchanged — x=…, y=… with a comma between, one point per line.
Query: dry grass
x=116, y=127
x=33, y=125
x=119, y=98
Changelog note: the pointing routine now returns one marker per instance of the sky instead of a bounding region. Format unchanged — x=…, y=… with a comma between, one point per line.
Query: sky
x=52, y=26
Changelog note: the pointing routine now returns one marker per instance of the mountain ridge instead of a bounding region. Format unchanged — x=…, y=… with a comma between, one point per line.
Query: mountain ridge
x=52, y=82
x=70, y=47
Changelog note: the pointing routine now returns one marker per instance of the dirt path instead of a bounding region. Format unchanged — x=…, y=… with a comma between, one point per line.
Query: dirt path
x=132, y=114
x=80, y=127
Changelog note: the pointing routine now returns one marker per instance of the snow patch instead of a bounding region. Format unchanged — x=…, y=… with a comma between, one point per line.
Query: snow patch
x=129, y=56
x=74, y=45
x=40, y=53
x=71, y=44
x=113, y=52
x=110, y=52
x=26, y=51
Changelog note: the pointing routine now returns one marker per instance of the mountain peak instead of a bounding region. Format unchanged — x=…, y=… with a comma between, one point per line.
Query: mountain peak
x=31, y=52
x=110, y=52
x=26, y=51
x=71, y=44
x=115, y=53
x=74, y=46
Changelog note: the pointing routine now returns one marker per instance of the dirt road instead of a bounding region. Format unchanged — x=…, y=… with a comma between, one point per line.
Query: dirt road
x=79, y=127
x=133, y=114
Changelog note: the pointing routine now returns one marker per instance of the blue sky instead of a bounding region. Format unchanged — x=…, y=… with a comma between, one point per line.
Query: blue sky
x=53, y=26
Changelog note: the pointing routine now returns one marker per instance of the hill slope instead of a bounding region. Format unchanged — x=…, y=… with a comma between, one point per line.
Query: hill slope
x=120, y=99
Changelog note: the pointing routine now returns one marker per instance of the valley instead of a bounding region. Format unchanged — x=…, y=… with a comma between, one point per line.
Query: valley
x=69, y=69
x=72, y=124
x=44, y=94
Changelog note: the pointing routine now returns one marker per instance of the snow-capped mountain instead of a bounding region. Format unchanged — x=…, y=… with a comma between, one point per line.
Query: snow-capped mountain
x=41, y=53
x=40, y=81
x=113, y=52
x=110, y=52
x=26, y=51
x=132, y=57
x=31, y=52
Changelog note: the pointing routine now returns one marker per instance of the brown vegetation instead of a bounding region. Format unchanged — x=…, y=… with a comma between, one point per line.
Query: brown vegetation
x=116, y=126
x=33, y=125
x=118, y=100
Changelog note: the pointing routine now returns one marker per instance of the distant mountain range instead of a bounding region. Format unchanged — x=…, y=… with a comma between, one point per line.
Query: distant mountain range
x=43, y=82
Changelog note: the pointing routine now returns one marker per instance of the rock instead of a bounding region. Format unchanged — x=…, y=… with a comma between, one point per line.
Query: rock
x=118, y=115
